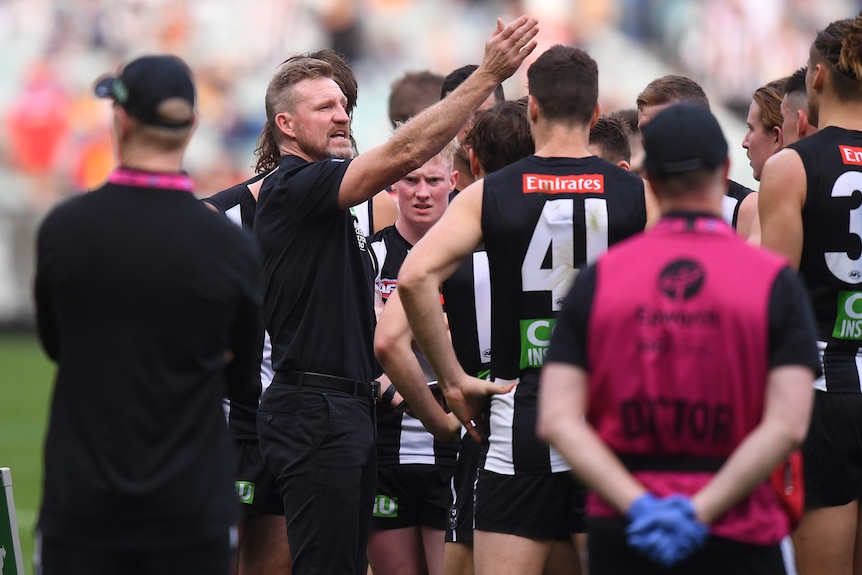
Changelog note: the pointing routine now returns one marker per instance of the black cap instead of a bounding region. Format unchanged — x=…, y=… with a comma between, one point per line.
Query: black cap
x=144, y=83
x=682, y=138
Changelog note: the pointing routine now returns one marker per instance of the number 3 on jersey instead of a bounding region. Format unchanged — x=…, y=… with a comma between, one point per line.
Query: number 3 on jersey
x=839, y=263
x=555, y=232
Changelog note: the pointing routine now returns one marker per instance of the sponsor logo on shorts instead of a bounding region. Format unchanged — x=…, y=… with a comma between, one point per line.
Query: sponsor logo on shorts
x=848, y=319
x=548, y=184
x=245, y=491
x=385, y=506
x=535, y=337
x=851, y=155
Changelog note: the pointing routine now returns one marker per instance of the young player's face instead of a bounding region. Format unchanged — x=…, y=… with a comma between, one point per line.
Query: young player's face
x=760, y=142
x=423, y=194
x=320, y=123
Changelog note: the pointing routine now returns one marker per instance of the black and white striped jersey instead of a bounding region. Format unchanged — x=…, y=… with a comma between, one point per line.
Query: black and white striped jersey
x=401, y=437
x=731, y=201
x=238, y=204
x=467, y=302
x=543, y=219
x=831, y=265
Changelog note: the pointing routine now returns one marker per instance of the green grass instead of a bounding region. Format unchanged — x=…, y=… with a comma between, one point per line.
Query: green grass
x=26, y=380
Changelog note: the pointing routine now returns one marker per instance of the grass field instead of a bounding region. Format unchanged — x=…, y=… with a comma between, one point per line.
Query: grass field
x=26, y=379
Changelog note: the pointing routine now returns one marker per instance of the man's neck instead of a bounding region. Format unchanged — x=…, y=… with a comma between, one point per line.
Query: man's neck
x=150, y=161
x=562, y=141
x=410, y=232
x=465, y=176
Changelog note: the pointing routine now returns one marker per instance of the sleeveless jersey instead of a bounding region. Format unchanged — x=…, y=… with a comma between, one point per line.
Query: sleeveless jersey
x=731, y=201
x=401, y=437
x=542, y=220
x=684, y=381
x=467, y=302
x=830, y=264
x=238, y=204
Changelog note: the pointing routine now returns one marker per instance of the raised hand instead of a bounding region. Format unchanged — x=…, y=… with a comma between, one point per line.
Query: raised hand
x=509, y=46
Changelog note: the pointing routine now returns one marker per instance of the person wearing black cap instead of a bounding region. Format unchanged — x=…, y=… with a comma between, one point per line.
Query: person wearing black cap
x=147, y=302
x=672, y=397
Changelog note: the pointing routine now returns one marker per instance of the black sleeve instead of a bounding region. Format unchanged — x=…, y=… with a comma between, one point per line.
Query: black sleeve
x=243, y=372
x=45, y=320
x=792, y=331
x=315, y=188
x=569, y=340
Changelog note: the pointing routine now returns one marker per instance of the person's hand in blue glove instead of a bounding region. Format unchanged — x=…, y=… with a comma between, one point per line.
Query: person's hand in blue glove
x=666, y=531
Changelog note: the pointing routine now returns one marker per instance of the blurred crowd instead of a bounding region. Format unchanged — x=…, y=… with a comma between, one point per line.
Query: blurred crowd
x=55, y=135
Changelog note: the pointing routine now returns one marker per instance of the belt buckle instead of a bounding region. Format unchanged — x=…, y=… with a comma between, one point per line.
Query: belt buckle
x=375, y=390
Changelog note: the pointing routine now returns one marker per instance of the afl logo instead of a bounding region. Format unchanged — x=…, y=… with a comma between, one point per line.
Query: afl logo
x=681, y=280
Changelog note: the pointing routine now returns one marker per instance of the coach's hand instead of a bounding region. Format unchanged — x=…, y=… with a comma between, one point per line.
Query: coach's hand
x=508, y=47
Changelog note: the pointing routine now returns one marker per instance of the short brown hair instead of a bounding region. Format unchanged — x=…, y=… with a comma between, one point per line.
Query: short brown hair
x=669, y=89
x=768, y=98
x=564, y=82
x=412, y=93
x=611, y=133
x=501, y=135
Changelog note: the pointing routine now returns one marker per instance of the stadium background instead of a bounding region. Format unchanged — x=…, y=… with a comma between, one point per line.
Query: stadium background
x=55, y=139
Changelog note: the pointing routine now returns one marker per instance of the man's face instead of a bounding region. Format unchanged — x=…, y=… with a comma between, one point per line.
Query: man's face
x=647, y=113
x=760, y=142
x=320, y=123
x=789, y=121
x=423, y=194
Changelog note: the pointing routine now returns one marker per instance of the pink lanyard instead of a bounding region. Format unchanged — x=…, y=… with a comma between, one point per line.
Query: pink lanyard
x=139, y=179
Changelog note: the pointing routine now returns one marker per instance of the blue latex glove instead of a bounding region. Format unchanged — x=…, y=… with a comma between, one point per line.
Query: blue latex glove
x=667, y=532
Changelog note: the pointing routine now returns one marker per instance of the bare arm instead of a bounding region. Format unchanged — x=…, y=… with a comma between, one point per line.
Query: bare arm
x=780, y=201
x=393, y=341
x=748, y=219
x=434, y=258
x=562, y=404
x=789, y=396
x=384, y=209
x=417, y=141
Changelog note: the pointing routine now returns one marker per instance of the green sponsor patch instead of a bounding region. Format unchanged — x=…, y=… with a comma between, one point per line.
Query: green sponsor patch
x=385, y=506
x=245, y=491
x=535, y=337
x=848, y=318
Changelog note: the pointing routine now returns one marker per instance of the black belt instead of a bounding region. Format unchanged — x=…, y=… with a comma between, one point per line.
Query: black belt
x=672, y=463
x=367, y=389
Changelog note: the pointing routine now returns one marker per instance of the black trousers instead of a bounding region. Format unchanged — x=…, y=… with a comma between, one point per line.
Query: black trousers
x=320, y=445
x=57, y=557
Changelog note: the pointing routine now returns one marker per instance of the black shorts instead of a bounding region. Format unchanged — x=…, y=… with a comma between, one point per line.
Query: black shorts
x=536, y=506
x=255, y=484
x=411, y=495
x=832, y=452
x=609, y=554
x=471, y=456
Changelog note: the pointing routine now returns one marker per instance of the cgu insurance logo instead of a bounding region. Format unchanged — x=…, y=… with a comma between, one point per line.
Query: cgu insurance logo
x=848, y=319
x=535, y=338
